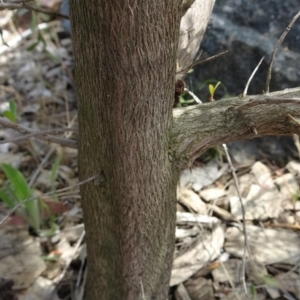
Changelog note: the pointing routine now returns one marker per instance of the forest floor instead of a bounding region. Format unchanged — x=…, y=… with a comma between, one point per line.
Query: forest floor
x=212, y=258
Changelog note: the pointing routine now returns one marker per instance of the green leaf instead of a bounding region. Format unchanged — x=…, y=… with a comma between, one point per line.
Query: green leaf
x=253, y=292
x=9, y=115
x=270, y=281
x=32, y=46
x=34, y=22
x=53, y=228
x=45, y=17
x=22, y=191
x=211, y=89
x=217, y=85
x=41, y=39
x=17, y=181
x=13, y=109
x=7, y=199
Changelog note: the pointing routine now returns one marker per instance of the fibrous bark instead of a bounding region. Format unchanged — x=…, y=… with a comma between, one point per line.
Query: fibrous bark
x=125, y=63
x=200, y=127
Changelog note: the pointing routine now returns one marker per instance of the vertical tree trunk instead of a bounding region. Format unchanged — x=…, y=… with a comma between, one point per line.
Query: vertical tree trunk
x=125, y=59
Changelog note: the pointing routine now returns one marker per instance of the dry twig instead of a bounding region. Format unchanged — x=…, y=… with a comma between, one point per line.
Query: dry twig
x=268, y=79
x=23, y=5
x=36, y=134
x=246, y=245
x=193, y=96
x=39, y=135
x=200, y=61
x=250, y=78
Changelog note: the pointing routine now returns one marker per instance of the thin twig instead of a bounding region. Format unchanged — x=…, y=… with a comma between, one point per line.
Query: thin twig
x=37, y=133
x=250, y=78
x=40, y=167
x=142, y=290
x=31, y=8
x=61, y=276
x=48, y=138
x=47, y=194
x=292, y=118
x=199, y=61
x=246, y=245
x=268, y=79
x=193, y=95
x=230, y=280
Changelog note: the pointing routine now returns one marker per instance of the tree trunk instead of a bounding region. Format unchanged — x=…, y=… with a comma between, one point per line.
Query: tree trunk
x=125, y=63
x=125, y=59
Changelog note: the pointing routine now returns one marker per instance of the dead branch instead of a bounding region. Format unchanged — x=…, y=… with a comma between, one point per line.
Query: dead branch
x=199, y=61
x=36, y=134
x=46, y=137
x=251, y=77
x=279, y=42
x=200, y=127
x=16, y=5
x=246, y=244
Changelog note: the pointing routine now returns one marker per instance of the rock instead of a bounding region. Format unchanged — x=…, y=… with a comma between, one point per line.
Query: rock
x=276, y=149
x=64, y=9
x=249, y=32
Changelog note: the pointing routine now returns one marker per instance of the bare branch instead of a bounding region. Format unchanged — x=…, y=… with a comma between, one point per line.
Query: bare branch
x=193, y=95
x=198, y=62
x=48, y=138
x=268, y=79
x=22, y=4
x=246, y=245
x=200, y=127
x=37, y=134
x=250, y=78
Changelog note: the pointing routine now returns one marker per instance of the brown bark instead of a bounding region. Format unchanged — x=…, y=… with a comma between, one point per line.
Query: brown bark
x=200, y=127
x=125, y=63
x=125, y=57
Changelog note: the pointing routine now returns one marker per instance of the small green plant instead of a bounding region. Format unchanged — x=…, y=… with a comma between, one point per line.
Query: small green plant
x=11, y=114
x=18, y=190
x=267, y=281
x=184, y=101
x=212, y=89
x=40, y=37
x=33, y=212
x=253, y=292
